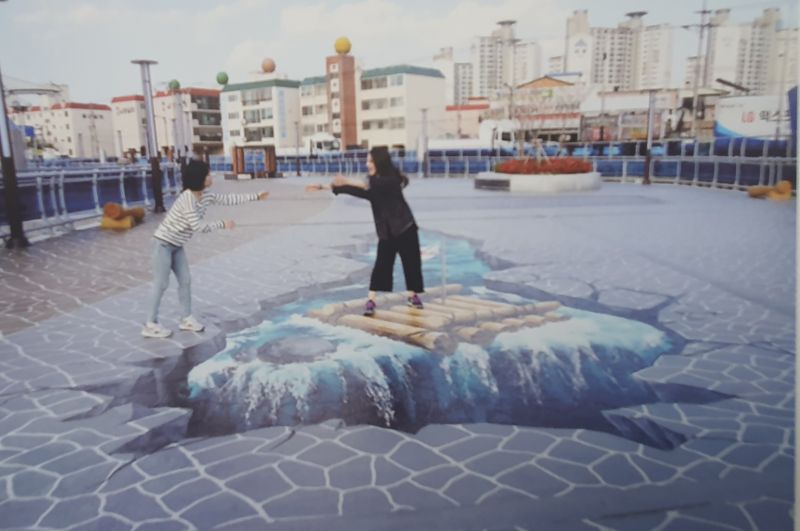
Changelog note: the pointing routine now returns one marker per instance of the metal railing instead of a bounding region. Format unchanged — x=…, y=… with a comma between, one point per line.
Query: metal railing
x=54, y=200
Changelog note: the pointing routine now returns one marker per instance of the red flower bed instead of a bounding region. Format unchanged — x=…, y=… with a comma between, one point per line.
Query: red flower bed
x=532, y=166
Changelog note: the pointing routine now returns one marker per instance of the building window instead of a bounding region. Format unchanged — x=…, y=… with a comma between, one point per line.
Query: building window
x=333, y=68
x=307, y=110
x=252, y=116
x=397, y=80
x=66, y=114
x=235, y=132
x=396, y=102
x=266, y=114
x=334, y=85
x=233, y=116
x=308, y=130
x=306, y=90
x=233, y=97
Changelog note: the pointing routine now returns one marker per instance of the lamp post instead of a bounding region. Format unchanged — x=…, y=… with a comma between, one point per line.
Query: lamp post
x=152, y=149
x=651, y=112
x=17, y=239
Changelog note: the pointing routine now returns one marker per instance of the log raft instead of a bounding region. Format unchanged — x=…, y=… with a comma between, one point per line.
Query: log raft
x=445, y=321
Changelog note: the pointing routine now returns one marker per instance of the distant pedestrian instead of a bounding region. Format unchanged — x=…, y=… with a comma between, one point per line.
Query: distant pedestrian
x=182, y=221
x=397, y=230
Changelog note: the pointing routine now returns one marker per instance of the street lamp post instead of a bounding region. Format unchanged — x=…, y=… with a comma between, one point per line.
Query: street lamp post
x=155, y=164
x=651, y=112
x=17, y=239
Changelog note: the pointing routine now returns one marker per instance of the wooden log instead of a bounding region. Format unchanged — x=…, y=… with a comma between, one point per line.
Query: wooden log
x=460, y=315
x=553, y=317
x=495, y=327
x=446, y=317
x=534, y=320
x=429, y=321
x=481, y=302
x=434, y=341
x=481, y=312
x=516, y=323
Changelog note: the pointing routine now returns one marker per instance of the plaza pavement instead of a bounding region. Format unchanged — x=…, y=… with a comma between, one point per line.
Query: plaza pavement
x=89, y=441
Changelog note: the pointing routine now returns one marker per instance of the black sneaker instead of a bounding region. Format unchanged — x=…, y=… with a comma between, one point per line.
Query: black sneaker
x=415, y=302
x=369, y=308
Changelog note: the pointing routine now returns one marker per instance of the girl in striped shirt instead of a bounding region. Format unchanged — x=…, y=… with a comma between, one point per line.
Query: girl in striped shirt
x=182, y=221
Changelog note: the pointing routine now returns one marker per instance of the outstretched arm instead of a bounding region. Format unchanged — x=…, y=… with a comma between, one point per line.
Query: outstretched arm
x=236, y=199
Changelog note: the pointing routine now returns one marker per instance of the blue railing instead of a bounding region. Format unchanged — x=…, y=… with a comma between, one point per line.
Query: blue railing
x=56, y=198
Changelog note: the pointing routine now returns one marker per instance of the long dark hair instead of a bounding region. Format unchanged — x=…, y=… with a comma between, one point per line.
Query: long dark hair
x=384, y=165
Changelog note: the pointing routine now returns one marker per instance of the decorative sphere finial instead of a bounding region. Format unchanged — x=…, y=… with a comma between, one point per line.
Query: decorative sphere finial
x=342, y=46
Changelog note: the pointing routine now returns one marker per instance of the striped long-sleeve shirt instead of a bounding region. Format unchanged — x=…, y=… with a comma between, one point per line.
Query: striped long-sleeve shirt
x=185, y=216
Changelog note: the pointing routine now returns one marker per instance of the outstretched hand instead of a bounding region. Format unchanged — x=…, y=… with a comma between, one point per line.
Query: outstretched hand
x=229, y=224
x=314, y=187
x=339, y=180
x=262, y=195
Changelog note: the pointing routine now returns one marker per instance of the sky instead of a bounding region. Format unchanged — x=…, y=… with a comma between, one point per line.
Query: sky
x=88, y=44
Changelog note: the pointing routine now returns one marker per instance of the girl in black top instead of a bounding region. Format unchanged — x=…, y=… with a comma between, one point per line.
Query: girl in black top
x=394, y=223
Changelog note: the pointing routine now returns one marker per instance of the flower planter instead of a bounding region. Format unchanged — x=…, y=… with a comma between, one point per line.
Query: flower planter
x=540, y=184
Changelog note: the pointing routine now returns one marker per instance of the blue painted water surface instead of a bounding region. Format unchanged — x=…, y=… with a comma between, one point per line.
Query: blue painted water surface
x=292, y=369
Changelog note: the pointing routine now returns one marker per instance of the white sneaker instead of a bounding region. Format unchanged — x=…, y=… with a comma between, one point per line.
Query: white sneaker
x=192, y=325
x=155, y=330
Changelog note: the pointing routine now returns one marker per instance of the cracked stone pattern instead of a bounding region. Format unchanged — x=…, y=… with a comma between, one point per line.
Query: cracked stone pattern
x=74, y=457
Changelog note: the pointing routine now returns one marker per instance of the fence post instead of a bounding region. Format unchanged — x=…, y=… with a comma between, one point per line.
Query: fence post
x=95, y=193
x=144, y=186
x=63, y=200
x=122, y=188
x=40, y=198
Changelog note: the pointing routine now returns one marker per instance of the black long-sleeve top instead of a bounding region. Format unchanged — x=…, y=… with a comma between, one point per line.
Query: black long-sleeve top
x=390, y=211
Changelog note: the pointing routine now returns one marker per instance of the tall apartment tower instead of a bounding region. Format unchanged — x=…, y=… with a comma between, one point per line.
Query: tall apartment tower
x=756, y=55
x=630, y=56
x=502, y=59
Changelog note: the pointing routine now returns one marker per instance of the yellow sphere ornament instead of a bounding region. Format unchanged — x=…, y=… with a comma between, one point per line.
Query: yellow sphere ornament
x=342, y=46
x=267, y=66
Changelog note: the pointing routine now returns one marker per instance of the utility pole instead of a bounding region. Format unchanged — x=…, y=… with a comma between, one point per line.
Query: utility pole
x=17, y=239
x=651, y=112
x=297, y=146
x=425, y=160
x=781, y=94
x=152, y=148
x=695, y=95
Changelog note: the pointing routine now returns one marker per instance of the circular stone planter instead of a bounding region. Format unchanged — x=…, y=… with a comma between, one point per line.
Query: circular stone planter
x=540, y=184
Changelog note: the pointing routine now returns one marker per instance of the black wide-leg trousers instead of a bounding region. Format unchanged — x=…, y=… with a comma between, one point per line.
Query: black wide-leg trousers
x=407, y=246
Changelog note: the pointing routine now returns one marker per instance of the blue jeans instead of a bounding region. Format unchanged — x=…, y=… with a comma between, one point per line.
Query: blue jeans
x=168, y=257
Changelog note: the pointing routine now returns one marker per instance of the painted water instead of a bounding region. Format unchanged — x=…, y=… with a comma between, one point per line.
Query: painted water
x=291, y=369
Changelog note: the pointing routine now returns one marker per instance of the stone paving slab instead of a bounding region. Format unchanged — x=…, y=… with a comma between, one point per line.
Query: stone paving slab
x=87, y=443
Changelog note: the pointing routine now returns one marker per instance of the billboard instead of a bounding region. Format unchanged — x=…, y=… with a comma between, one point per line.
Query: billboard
x=751, y=116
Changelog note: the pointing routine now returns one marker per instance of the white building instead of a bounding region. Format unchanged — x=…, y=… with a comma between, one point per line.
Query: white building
x=80, y=130
x=313, y=107
x=527, y=61
x=390, y=102
x=457, y=76
x=463, y=83
x=261, y=113
x=129, y=120
x=631, y=56
x=501, y=59
x=751, y=55
x=655, y=57
x=555, y=65
x=188, y=120
x=444, y=63
x=691, y=70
